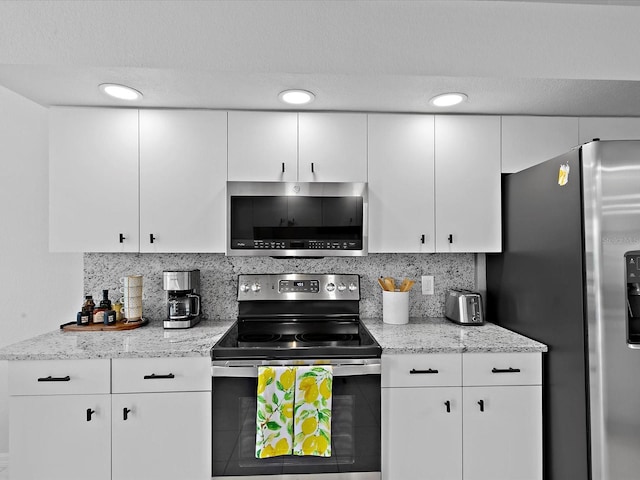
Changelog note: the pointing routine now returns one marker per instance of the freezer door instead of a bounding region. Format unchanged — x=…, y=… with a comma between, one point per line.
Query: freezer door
x=611, y=172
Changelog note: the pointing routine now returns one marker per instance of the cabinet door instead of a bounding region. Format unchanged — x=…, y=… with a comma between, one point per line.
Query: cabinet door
x=422, y=433
x=401, y=184
x=93, y=180
x=333, y=147
x=503, y=434
x=263, y=146
x=609, y=128
x=183, y=157
x=527, y=141
x=467, y=166
x=54, y=437
x=165, y=436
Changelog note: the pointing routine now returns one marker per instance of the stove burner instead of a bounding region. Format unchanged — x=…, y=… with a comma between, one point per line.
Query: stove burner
x=253, y=338
x=320, y=338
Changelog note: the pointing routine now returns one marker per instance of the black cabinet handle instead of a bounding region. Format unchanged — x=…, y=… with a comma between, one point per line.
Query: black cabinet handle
x=414, y=371
x=153, y=376
x=151, y=238
x=55, y=379
x=448, y=405
x=481, y=403
x=450, y=238
x=89, y=413
x=505, y=370
x=422, y=239
x=282, y=167
x=122, y=237
x=125, y=413
x=312, y=168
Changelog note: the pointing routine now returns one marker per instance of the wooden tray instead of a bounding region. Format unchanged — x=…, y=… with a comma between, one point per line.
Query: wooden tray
x=101, y=327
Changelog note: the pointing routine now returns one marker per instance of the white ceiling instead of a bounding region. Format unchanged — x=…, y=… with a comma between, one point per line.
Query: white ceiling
x=512, y=57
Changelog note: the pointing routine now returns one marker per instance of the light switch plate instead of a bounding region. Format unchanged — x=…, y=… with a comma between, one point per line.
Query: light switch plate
x=427, y=284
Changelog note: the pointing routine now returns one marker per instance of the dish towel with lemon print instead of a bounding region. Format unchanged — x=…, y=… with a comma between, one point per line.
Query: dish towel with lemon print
x=294, y=411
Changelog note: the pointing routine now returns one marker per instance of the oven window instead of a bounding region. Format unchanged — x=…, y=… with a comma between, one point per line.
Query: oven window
x=355, y=430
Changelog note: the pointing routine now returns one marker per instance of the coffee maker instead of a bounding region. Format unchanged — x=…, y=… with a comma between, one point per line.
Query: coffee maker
x=183, y=298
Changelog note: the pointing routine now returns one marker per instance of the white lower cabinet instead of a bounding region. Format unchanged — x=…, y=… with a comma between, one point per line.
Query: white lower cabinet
x=422, y=428
x=161, y=418
x=503, y=434
x=482, y=421
x=115, y=419
x=55, y=437
x=59, y=420
x=159, y=436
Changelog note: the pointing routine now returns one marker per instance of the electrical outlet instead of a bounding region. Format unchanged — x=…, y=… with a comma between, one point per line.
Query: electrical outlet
x=427, y=284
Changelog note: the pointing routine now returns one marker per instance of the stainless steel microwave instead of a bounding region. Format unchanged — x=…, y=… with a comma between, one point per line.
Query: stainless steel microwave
x=297, y=219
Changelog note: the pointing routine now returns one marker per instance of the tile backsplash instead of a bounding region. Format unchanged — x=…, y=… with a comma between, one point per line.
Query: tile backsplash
x=219, y=277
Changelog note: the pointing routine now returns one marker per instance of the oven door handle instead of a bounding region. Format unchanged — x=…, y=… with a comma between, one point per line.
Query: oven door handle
x=250, y=371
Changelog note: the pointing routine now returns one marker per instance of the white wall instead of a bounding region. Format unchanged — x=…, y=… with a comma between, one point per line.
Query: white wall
x=38, y=290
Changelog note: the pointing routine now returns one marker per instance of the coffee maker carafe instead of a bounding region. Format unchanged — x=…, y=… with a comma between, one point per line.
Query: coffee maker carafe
x=183, y=298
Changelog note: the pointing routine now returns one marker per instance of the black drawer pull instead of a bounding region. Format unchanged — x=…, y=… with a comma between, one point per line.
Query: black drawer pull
x=422, y=239
x=153, y=376
x=89, y=413
x=122, y=238
x=505, y=370
x=448, y=405
x=481, y=403
x=414, y=371
x=125, y=413
x=55, y=379
x=282, y=167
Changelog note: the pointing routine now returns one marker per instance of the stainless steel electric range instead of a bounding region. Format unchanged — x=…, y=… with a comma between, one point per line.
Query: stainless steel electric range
x=297, y=319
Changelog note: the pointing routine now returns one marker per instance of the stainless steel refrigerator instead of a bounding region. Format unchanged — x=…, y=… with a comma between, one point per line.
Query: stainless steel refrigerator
x=569, y=276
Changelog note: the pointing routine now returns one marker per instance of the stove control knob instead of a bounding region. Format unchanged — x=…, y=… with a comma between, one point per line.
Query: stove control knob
x=244, y=288
x=255, y=287
x=341, y=287
x=330, y=287
x=352, y=287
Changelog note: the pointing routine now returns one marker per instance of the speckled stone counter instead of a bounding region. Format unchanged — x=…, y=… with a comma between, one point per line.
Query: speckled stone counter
x=420, y=335
x=151, y=340
x=439, y=335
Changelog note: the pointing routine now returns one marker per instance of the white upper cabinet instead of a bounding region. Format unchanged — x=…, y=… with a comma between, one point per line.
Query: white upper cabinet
x=527, y=141
x=332, y=147
x=297, y=147
x=609, y=128
x=468, y=187
x=401, y=183
x=93, y=180
x=183, y=157
x=263, y=146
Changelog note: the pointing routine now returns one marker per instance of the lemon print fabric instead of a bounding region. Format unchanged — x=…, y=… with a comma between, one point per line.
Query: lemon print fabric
x=274, y=415
x=312, y=411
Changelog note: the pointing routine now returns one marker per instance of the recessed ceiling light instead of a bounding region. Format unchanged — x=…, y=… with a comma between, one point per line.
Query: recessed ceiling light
x=296, y=97
x=121, y=92
x=448, y=99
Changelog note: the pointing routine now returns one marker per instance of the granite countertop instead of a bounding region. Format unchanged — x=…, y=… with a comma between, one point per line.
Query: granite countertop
x=439, y=335
x=151, y=340
x=420, y=335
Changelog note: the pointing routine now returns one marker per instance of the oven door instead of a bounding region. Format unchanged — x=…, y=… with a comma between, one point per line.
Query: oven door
x=355, y=424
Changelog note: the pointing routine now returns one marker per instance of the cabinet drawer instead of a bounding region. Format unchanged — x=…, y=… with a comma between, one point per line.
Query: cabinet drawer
x=59, y=377
x=161, y=374
x=502, y=369
x=422, y=370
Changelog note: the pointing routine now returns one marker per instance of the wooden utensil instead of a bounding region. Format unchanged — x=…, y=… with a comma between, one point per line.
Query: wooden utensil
x=405, y=287
x=390, y=283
